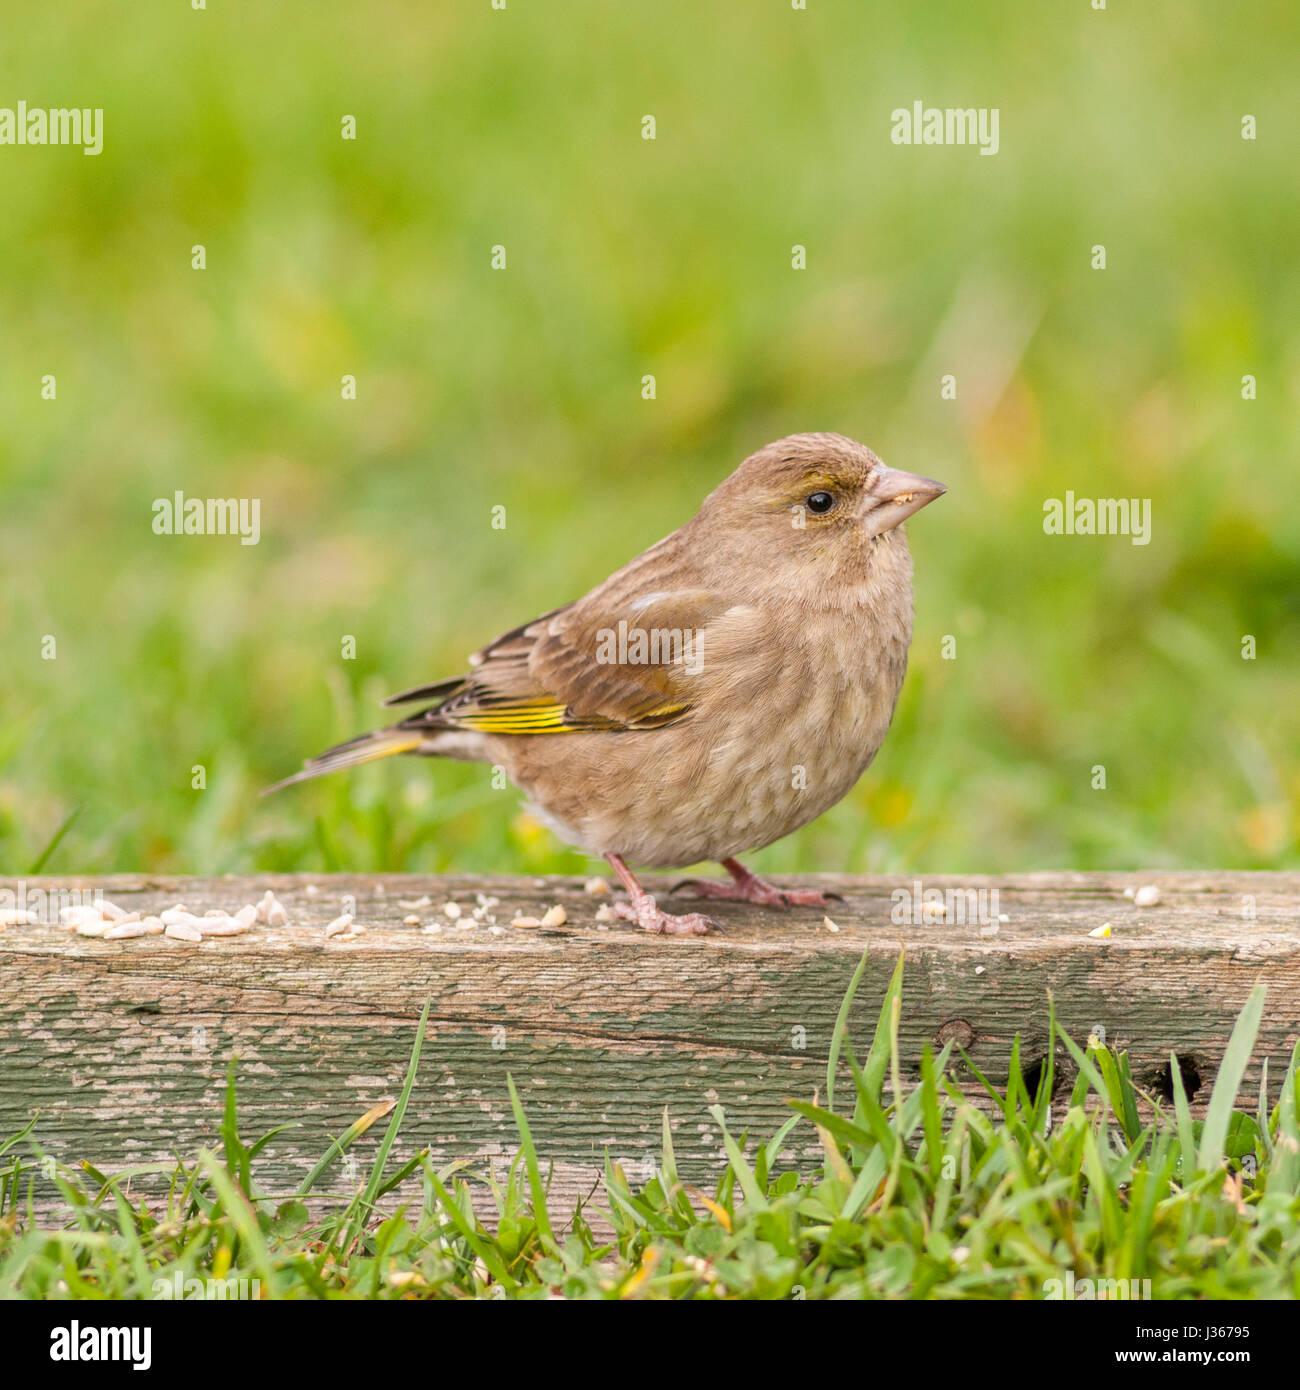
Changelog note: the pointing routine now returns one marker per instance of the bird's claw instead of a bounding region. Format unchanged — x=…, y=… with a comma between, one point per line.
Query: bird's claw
x=647, y=914
x=755, y=890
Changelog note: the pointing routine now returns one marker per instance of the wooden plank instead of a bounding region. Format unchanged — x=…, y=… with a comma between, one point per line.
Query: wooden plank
x=123, y=1045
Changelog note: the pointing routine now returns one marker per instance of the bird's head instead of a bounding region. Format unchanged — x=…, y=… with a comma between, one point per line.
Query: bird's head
x=816, y=499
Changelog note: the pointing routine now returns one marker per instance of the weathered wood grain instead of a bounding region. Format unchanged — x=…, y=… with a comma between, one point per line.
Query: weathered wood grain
x=123, y=1046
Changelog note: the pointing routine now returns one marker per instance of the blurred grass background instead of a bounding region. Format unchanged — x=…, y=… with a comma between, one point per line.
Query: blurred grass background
x=522, y=388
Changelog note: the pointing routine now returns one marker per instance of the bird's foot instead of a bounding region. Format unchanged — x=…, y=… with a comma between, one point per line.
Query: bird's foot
x=747, y=887
x=646, y=913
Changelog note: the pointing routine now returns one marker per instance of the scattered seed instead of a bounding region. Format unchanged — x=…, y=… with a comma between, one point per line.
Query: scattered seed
x=411, y=921
x=522, y=921
x=120, y=931
x=1128, y=892
x=451, y=910
x=606, y=914
x=555, y=916
x=829, y=925
x=115, y=913
x=74, y=916
x=154, y=926
x=264, y=907
x=221, y=926
x=1146, y=896
x=311, y=890
x=596, y=887
x=178, y=916
x=933, y=912
x=182, y=931
x=496, y=931
x=979, y=969
x=1002, y=917
x=433, y=929
x=339, y=925
x=247, y=915
x=97, y=927
x=17, y=917
x=1103, y=930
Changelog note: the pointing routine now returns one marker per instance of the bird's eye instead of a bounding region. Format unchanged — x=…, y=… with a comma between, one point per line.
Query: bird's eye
x=821, y=502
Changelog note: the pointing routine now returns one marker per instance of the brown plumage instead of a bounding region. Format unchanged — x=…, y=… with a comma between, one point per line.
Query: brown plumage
x=716, y=693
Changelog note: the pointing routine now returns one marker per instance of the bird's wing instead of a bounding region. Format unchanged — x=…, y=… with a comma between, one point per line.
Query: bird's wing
x=605, y=662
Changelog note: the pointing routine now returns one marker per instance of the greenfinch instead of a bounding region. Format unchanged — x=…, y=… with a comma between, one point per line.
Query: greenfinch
x=715, y=694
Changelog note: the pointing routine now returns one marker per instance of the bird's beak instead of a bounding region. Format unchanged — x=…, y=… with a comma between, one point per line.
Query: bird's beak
x=895, y=495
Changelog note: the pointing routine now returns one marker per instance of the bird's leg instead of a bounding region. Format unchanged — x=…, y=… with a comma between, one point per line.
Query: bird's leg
x=646, y=914
x=747, y=887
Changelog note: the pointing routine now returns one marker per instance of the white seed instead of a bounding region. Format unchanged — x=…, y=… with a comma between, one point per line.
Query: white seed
x=154, y=926
x=93, y=928
x=113, y=913
x=423, y=901
x=182, y=931
x=247, y=915
x=411, y=921
x=311, y=890
x=496, y=931
x=120, y=931
x=606, y=914
x=74, y=916
x=829, y=925
x=1103, y=930
x=555, y=916
x=221, y=926
x=17, y=917
x=264, y=906
x=1002, y=917
x=433, y=929
x=1146, y=896
x=979, y=969
x=933, y=912
x=1128, y=892
x=596, y=887
x=339, y=925
x=451, y=910
x=216, y=912
x=179, y=914
x=276, y=916
x=522, y=921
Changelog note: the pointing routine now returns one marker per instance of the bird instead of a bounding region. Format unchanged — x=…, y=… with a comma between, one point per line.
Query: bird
x=717, y=693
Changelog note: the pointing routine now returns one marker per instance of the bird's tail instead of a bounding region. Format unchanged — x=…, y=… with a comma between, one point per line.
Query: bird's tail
x=383, y=743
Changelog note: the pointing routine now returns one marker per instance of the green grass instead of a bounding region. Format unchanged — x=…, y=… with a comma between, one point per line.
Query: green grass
x=522, y=388
x=920, y=1195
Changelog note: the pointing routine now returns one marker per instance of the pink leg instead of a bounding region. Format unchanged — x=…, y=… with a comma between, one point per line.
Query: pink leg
x=747, y=887
x=646, y=914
